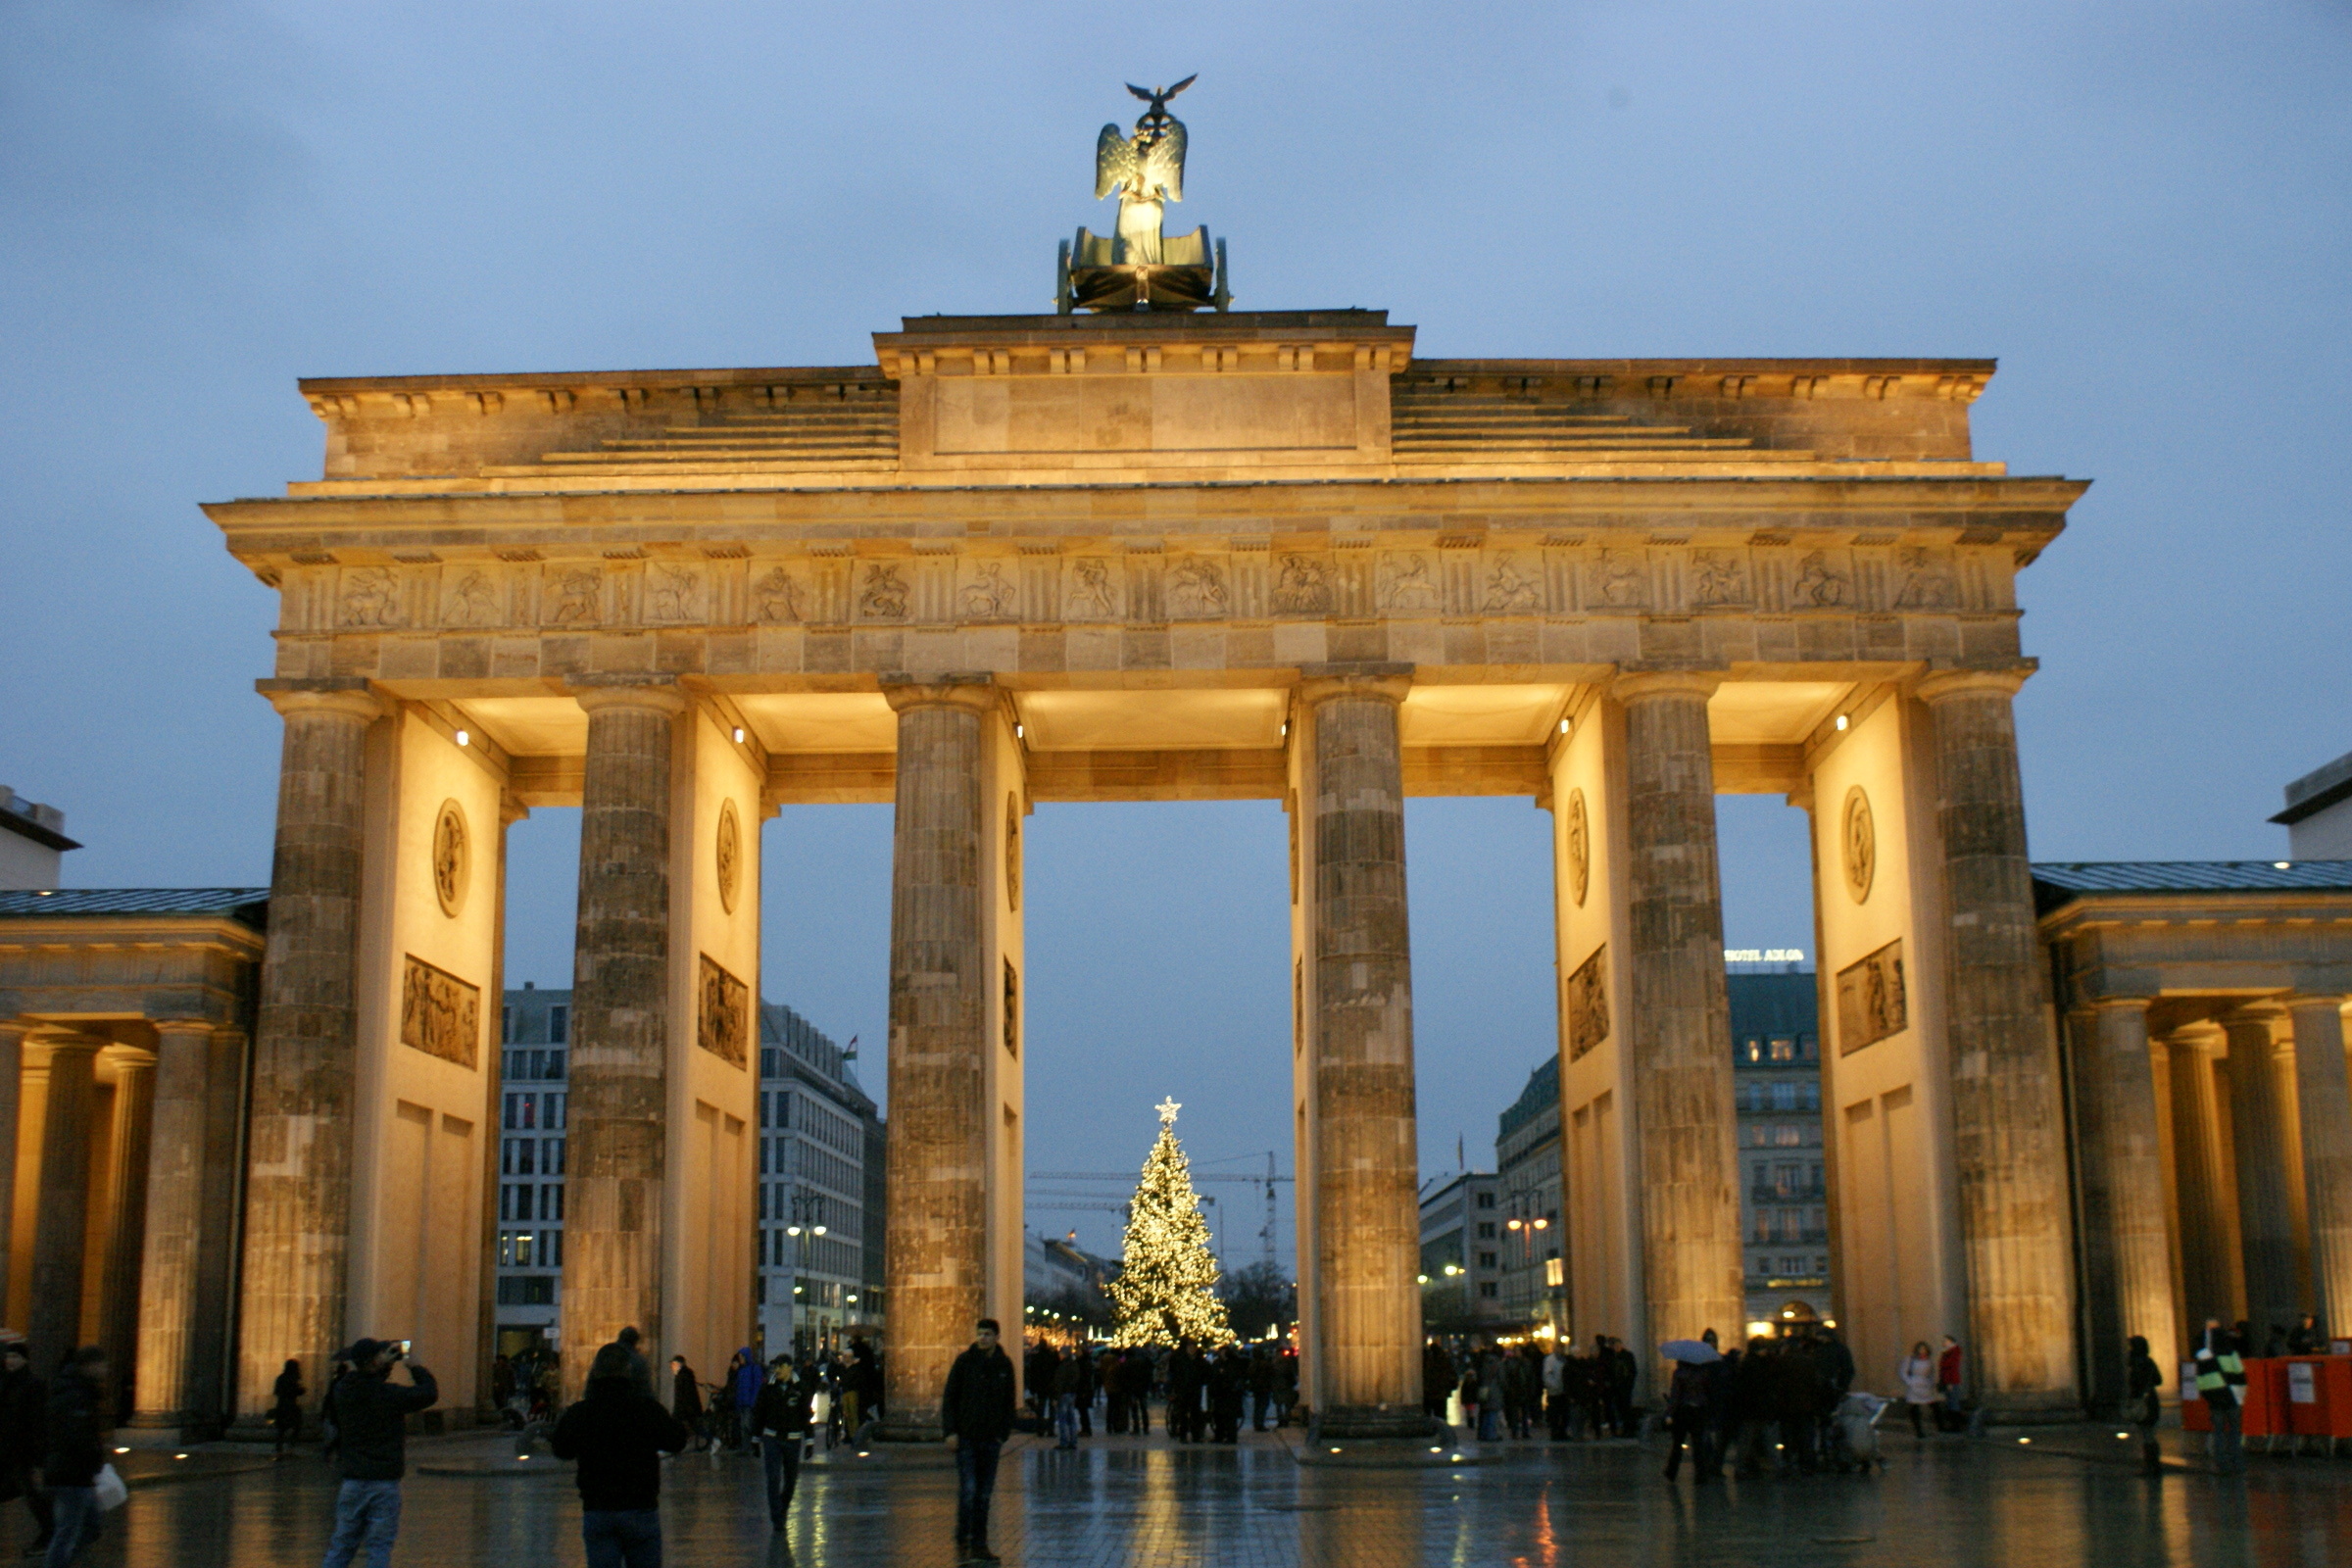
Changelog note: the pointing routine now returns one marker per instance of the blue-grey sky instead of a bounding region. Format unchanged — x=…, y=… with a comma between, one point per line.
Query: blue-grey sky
x=2141, y=210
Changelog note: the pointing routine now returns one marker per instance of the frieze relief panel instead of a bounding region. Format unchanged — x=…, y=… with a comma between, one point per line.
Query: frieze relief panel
x=723, y=1015
x=440, y=1014
x=1873, y=1002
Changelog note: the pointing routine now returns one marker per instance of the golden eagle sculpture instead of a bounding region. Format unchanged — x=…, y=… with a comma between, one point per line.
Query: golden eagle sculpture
x=1139, y=267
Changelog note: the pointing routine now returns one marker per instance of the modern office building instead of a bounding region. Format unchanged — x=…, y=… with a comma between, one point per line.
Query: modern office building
x=1533, y=1282
x=1461, y=1255
x=819, y=1176
x=818, y=1275
x=1784, y=1198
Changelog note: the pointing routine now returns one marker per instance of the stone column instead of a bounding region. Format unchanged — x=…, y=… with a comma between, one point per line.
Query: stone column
x=211, y=1395
x=12, y=1096
x=2209, y=1271
x=618, y=1107
x=2008, y=1137
x=1679, y=1028
x=62, y=1229
x=2132, y=1156
x=1367, y=1155
x=172, y=1305
x=2266, y=1175
x=127, y=1211
x=306, y=1048
x=2323, y=1096
x=935, y=1262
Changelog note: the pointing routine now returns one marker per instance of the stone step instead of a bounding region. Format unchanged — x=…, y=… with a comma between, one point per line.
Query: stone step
x=576, y=465
x=1620, y=453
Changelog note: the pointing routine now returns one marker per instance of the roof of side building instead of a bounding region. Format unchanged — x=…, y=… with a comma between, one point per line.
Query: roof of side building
x=248, y=904
x=2058, y=882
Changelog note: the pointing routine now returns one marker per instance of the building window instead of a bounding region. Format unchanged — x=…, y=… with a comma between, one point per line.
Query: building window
x=1555, y=1273
x=1488, y=1289
x=558, y=1027
x=1485, y=1230
x=506, y=1023
x=1752, y=1050
x=1486, y=1200
x=1485, y=1261
x=1783, y=1050
x=1784, y=1097
x=530, y=1289
x=1788, y=1137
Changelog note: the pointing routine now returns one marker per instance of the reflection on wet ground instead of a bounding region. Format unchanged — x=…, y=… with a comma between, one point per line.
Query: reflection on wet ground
x=1533, y=1506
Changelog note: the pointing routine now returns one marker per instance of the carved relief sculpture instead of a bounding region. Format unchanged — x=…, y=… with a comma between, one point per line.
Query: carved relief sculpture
x=1859, y=837
x=780, y=596
x=1298, y=1005
x=1012, y=1008
x=453, y=858
x=728, y=855
x=1197, y=587
x=1579, y=847
x=1588, y=1003
x=1012, y=853
x=1818, y=583
x=1092, y=597
x=473, y=601
x=1720, y=578
x=440, y=1014
x=676, y=593
x=1871, y=1001
x=1928, y=581
x=884, y=597
x=723, y=1022
x=371, y=598
x=1617, y=579
x=988, y=596
x=578, y=598
x=1508, y=588
x=1407, y=586
x=1301, y=586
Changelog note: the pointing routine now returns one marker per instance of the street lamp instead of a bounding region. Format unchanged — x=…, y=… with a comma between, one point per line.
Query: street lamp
x=807, y=1211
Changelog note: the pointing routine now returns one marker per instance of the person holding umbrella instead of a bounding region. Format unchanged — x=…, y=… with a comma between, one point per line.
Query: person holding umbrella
x=1688, y=1401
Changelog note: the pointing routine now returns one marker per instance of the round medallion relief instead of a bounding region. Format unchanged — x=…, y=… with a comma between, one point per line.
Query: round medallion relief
x=728, y=857
x=453, y=858
x=1579, y=847
x=1012, y=853
x=1861, y=841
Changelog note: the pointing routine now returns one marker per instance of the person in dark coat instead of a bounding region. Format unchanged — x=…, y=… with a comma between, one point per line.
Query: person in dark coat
x=975, y=1413
x=619, y=1432
x=686, y=1401
x=76, y=1451
x=371, y=1416
x=286, y=1407
x=781, y=1421
x=24, y=1437
x=2142, y=1376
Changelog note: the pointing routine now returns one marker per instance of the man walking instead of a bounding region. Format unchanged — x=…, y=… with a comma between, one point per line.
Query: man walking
x=976, y=1415
x=619, y=1432
x=781, y=1420
x=76, y=1451
x=371, y=1416
x=23, y=1438
x=2221, y=1384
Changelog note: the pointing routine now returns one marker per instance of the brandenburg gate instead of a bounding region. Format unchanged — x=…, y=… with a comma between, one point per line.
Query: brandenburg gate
x=1143, y=554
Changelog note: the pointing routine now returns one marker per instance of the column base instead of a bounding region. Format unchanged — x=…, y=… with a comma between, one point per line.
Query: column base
x=1377, y=1424
x=917, y=1431
x=2051, y=1408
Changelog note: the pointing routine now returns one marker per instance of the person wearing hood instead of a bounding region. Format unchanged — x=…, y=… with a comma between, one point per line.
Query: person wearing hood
x=371, y=1416
x=619, y=1432
x=748, y=1379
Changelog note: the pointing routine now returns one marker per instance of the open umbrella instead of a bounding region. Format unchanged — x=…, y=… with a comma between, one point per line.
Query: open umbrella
x=1694, y=1353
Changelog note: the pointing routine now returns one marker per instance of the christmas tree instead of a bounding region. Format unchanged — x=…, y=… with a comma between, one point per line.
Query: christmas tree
x=1167, y=1289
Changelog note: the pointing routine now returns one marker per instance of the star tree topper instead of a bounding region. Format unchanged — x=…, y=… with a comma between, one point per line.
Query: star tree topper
x=1167, y=1111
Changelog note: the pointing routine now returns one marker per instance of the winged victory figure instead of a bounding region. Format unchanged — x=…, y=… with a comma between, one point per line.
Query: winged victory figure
x=1146, y=169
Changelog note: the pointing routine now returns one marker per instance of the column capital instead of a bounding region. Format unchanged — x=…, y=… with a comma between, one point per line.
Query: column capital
x=184, y=1026
x=973, y=691
x=657, y=694
x=2309, y=1001
x=1322, y=683
x=347, y=696
x=1632, y=685
x=2121, y=1003
x=1942, y=685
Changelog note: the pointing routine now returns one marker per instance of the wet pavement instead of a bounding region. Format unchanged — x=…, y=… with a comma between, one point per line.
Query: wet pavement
x=2064, y=1500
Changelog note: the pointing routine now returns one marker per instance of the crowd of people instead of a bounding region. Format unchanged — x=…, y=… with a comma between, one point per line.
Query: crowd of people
x=1208, y=1393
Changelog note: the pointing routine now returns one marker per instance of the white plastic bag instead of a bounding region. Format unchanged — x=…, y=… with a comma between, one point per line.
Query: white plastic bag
x=112, y=1493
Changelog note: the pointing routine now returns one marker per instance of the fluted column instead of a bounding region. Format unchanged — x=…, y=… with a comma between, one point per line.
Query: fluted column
x=1367, y=1155
x=62, y=1229
x=127, y=1211
x=2008, y=1137
x=172, y=1305
x=1679, y=1031
x=935, y=1262
x=2267, y=1181
x=305, y=1066
x=2209, y=1271
x=2324, y=1096
x=12, y=1099
x=2133, y=1160
x=618, y=1106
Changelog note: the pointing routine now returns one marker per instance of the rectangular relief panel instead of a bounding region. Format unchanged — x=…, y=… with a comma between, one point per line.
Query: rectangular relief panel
x=440, y=1014
x=723, y=1016
x=1872, y=1002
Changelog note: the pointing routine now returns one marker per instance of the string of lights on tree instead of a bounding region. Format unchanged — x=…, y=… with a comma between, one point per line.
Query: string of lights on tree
x=1167, y=1289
